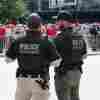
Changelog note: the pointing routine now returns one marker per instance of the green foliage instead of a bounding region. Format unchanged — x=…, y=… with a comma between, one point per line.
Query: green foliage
x=11, y=9
x=20, y=8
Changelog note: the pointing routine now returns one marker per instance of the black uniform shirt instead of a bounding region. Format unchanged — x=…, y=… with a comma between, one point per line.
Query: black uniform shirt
x=63, y=44
x=32, y=53
x=79, y=48
x=71, y=48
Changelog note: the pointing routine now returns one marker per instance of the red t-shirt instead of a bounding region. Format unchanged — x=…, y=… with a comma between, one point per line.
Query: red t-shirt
x=51, y=32
x=2, y=32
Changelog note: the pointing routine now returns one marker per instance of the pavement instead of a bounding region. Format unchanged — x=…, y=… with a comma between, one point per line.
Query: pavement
x=89, y=85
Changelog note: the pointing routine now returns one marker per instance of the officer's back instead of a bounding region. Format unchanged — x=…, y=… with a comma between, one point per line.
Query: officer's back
x=34, y=55
x=32, y=51
x=70, y=44
x=71, y=47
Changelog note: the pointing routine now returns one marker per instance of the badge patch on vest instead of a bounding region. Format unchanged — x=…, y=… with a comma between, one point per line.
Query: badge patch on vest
x=29, y=48
x=78, y=44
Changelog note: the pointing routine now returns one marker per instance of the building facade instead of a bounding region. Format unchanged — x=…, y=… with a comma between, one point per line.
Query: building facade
x=41, y=5
x=89, y=10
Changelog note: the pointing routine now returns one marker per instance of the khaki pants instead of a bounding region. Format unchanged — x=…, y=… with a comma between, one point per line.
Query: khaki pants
x=28, y=89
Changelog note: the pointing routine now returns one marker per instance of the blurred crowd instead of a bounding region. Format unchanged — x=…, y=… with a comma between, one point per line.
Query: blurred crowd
x=12, y=31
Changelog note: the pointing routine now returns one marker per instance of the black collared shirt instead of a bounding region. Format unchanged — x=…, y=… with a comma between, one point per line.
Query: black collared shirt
x=71, y=47
x=32, y=53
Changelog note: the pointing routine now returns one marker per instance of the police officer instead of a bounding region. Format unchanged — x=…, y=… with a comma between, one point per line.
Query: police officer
x=34, y=55
x=72, y=48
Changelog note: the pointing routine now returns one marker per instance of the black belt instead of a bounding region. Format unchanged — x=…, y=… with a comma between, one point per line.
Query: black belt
x=43, y=83
x=29, y=75
x=65, y=68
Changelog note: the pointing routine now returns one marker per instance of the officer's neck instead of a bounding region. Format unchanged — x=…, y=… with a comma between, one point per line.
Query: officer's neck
x=34, y=34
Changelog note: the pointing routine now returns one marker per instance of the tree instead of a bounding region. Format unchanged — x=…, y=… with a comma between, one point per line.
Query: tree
x=11, y=9
x=20, y=8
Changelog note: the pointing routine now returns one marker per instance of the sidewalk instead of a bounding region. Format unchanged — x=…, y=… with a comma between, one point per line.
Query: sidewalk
x=91, y=52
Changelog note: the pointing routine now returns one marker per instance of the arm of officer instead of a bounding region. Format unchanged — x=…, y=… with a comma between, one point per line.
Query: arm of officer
x=11, y=53
x=56, y=63
x=84, y=52
x=54, y=55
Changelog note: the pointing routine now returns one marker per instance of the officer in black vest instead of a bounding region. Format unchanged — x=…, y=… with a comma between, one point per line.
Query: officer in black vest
x=34, y=54
x=72, y=49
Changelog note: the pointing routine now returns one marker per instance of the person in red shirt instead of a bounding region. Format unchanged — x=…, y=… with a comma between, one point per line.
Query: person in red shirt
x=51, y=31
x=2, y=38
x=2, y=32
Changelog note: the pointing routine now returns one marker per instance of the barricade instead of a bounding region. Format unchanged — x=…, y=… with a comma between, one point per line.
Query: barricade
x=4, y=45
